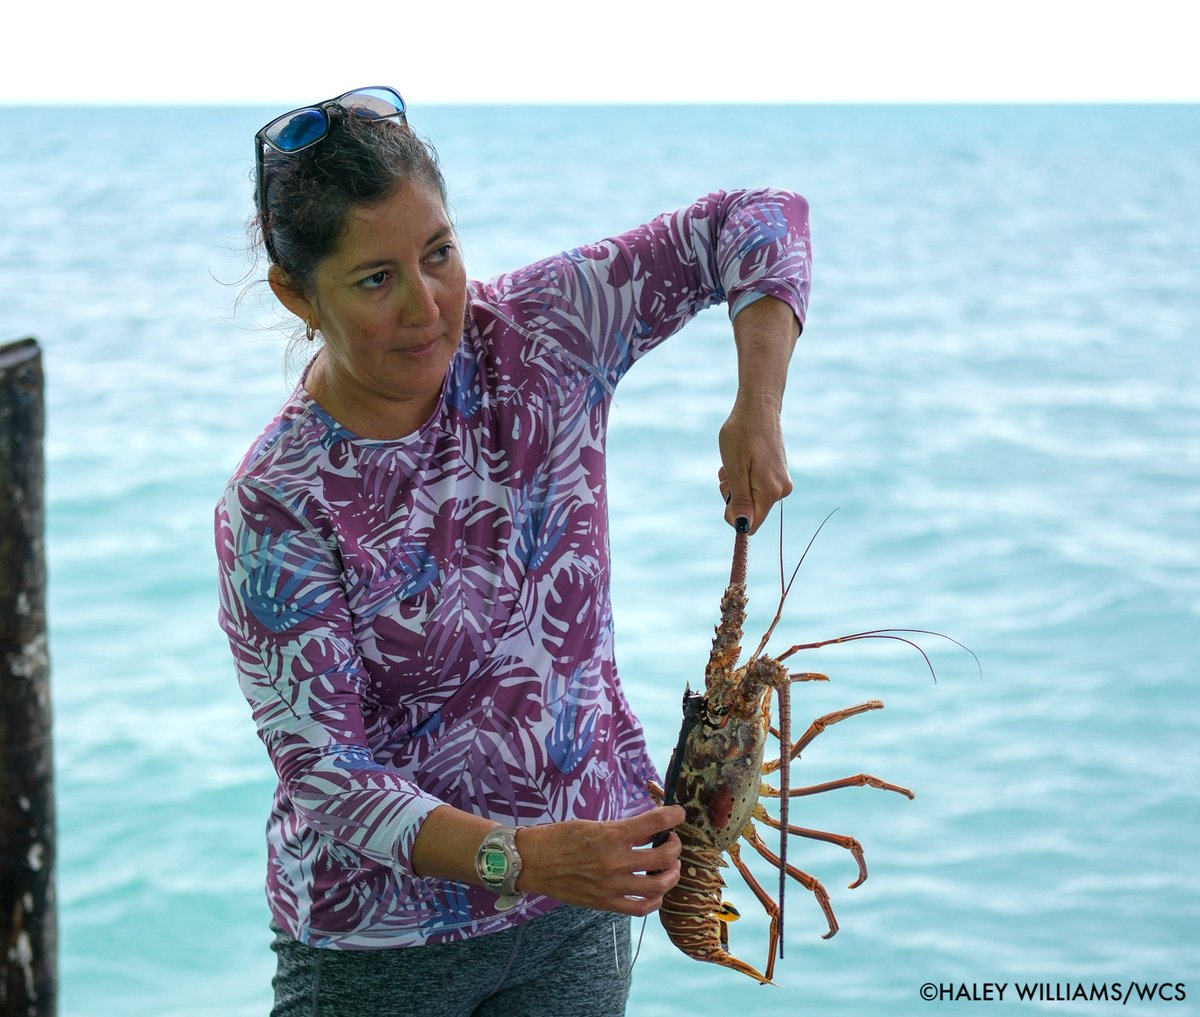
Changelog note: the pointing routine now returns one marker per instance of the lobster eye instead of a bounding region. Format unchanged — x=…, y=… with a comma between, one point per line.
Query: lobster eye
x=716, y=716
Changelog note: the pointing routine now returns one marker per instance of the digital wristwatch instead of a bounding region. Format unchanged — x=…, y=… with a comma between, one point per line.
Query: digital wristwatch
x=498, y=864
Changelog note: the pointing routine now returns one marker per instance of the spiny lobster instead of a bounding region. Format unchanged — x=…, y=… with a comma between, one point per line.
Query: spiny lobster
x=716, y=774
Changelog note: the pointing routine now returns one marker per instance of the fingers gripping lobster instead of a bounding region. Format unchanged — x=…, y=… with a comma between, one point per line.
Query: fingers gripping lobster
x=716, y=774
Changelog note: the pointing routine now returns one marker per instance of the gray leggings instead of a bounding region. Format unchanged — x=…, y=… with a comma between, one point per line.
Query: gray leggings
x=571, y=961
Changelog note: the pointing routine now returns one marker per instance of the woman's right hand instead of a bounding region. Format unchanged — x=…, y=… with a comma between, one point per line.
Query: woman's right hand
x=603, y=865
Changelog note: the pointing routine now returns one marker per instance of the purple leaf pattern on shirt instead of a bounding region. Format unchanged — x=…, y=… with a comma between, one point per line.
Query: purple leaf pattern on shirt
x=427, y=621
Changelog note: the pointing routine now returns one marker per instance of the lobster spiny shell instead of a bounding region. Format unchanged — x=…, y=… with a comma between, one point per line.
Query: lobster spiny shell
x=720, y=775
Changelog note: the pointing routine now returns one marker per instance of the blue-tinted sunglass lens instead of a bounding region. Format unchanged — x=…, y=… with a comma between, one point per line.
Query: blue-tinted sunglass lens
x=298, y=131
x=374, y=102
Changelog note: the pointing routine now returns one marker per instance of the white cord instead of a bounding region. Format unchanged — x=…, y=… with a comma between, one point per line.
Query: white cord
x=617, y=952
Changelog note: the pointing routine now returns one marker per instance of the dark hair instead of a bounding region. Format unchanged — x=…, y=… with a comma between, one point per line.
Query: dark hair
x=310, y=194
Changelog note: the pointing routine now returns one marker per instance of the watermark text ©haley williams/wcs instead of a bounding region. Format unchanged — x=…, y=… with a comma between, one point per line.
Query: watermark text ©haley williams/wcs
x=1054, y=992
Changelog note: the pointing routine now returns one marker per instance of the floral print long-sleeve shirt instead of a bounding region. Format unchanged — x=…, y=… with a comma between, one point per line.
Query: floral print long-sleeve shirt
x=427, y=620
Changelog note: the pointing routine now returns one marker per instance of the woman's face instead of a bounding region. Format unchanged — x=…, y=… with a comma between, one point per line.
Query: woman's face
x=389, y=302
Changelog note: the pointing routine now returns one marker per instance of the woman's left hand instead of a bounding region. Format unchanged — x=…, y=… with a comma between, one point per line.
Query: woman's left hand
x=754, y=474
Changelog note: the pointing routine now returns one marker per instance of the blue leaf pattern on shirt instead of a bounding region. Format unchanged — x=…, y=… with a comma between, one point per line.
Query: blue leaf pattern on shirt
x=275, y=590
x=428, y=621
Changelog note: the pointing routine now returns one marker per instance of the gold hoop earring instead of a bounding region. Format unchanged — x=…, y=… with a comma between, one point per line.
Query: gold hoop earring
x=309, y=331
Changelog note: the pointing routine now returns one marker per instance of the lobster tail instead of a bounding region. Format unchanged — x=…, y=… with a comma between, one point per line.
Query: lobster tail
x=694, y=916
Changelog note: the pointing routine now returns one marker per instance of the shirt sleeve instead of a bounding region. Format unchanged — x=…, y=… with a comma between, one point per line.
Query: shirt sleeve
x=283, y=607
x=610, y=302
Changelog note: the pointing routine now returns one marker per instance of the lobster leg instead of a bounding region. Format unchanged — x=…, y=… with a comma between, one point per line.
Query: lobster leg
x=810, y=883
x=783, y=690
x=768, y=905
x=841, y=840
x=858, y=780
x=819, y=725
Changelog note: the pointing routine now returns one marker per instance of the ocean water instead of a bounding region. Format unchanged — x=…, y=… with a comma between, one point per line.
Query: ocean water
x=998, y=389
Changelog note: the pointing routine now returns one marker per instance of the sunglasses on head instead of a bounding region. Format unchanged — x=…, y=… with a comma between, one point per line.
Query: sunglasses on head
x=302, y=128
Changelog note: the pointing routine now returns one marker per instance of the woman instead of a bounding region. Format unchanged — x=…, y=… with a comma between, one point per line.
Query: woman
x=414, y=574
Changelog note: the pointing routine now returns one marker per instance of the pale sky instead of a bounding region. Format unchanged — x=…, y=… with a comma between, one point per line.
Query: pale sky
x=467, y=51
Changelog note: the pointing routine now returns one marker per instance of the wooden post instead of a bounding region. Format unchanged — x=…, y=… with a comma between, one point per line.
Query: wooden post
x=28, y=919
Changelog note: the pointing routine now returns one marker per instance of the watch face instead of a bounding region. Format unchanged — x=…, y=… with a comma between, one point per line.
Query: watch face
x=494, y=865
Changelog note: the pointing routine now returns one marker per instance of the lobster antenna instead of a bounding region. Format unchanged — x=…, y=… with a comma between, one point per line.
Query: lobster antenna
x=889, y=634
x=785, y=589
x=784, y=695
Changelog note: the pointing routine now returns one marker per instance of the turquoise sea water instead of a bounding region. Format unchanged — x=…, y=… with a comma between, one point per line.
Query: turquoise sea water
x=999, y=388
